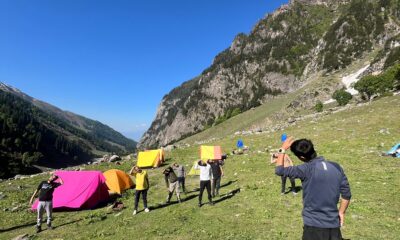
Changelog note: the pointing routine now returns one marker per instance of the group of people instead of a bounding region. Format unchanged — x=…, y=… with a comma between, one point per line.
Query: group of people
x=211, y=173
x=324, y=183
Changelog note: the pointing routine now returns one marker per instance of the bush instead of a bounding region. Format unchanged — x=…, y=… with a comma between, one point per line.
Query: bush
x=377, y=85
x=342, y=97
x=235, y=111
x=319, y=107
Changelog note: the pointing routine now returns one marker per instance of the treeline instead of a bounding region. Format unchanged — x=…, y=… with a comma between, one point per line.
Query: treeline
x=384, y=83
x=31, y=136
x=25, y=140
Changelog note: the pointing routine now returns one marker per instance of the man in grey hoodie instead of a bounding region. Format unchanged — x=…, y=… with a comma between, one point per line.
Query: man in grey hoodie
x=324, y=183
x=180, y=170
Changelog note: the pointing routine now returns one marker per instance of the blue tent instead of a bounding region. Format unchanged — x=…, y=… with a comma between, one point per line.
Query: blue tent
x=239, y=143
x=394, y=149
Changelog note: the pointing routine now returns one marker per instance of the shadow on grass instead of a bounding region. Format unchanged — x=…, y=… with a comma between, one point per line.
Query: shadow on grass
x=227, y=184
x=32, y=224
x=19, y=226
x=160, y=206
x=193, y=191
x=223, y=185
x=68, y=223
x=227, y=195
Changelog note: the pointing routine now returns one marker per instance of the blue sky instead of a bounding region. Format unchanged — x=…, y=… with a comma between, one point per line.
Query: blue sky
x=113, y=61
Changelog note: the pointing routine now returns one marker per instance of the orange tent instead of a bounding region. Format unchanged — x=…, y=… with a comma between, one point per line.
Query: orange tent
x=117, y=180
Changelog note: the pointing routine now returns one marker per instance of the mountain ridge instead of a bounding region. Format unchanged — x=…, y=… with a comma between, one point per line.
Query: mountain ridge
x=280, y=55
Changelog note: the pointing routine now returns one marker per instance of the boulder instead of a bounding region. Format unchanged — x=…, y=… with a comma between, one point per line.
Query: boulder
x=114, y=158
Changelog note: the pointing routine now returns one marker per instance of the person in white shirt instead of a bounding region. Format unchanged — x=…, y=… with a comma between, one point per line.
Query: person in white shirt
x=205, y=180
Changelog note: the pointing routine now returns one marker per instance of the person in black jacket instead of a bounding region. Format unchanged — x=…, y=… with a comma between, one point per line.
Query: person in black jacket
x=216, y=174
x=171, y=180
x=45, y=190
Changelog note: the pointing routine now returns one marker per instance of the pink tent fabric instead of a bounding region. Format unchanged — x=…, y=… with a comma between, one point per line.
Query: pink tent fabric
x=81, y=190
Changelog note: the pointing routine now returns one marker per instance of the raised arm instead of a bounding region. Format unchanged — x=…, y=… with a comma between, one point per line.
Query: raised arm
x=166, y=180
x=131, y=171
x=285, y=146
x=33, y=196
x=273, y=159
x=60, y=180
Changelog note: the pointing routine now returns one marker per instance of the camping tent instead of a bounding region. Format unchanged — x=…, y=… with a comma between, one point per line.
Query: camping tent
x=239, y=144
x=152, y=158
x=117, y=180
x=193, y=171
x=162, y=155
x=210, y=152
x=81, y=190
x=395, y=150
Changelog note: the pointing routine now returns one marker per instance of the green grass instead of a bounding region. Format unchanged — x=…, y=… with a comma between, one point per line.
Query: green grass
x=351, y=138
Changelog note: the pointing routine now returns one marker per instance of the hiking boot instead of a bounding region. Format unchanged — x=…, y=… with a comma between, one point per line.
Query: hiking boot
x=38, y=229
x=134, y=212
x=49, y=227
x=147, y=210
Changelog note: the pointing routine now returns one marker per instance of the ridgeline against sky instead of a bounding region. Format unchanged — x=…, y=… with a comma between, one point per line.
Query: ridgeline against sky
x=114, y=61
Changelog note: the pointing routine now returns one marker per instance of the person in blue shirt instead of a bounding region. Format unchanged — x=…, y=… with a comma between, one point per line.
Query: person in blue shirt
x=324, y=183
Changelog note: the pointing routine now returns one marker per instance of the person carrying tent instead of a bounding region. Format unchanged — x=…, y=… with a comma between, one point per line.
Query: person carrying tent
x=45, y=190
x=180, y=170
x=216, y=174
x=205, y=180
x=142, y=187
x=323, y=182
x=171, y=180
x=287, y=163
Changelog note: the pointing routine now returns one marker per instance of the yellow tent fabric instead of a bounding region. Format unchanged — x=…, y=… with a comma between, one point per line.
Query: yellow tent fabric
x=117, y=180
x=150, y=158
x=210, y=152
x=162, y=155
x=194, y=172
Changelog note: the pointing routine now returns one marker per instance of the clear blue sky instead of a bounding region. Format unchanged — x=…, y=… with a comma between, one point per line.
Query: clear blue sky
x=113, y=61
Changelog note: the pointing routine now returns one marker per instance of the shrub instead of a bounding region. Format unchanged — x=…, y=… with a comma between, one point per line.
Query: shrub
x=342, y=97
x=377, y=85
x=319, y=107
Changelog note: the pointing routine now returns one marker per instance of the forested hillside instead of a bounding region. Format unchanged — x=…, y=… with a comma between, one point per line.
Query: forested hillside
x=31, y=136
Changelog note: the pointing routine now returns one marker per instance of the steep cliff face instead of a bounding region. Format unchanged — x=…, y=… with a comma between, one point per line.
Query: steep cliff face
x=277, y=57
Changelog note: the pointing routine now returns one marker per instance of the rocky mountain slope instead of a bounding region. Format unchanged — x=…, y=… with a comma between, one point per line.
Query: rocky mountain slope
x=282, y=53
x=35, y=132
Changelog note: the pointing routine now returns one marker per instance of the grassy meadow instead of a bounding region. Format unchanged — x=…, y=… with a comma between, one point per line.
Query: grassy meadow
x=250, y=205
